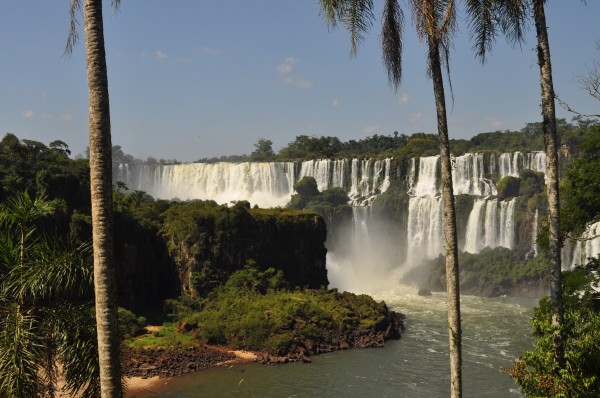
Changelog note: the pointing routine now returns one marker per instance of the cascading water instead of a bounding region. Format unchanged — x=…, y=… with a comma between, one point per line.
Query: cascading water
x=533, y=252
x=468, y=176
x=491, y=224
x=265, y=184
x=511, y=164
x=426, y=184
x=577, y=252
x=424, y=231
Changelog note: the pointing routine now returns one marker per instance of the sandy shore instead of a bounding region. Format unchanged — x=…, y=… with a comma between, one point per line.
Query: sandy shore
x=151, y=385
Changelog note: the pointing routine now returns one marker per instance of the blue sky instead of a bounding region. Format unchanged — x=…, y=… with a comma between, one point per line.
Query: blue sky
x=193, y=78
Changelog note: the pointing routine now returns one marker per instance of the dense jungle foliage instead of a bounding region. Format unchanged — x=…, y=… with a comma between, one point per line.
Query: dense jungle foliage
x=403, y=146
x=536, y=371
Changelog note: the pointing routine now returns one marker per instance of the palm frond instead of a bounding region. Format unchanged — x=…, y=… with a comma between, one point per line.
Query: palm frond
x=54, y=269
x=20, y=350
x=355, y=15
x=74, y=330
x=391, y=41
x=331, y=11
x=358, y=18
x=482, y=25
x=73, y=35
x=513, y=15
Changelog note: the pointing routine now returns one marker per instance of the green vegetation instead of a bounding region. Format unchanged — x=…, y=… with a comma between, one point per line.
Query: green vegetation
x=580, y=186
x=493, y=272
x=46, y=312
x=255, y=310
x=536, y=371
x=508, y=187
x=165, y=336
x=209, y=242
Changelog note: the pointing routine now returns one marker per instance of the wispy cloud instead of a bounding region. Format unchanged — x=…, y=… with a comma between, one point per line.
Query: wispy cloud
x=371, y=129
x=336, y=103
x=210, y=50
x=494, y=123
x=160, y=55
x=418, y=118
x=63, y=117
x=404, y=99
x=287, y=76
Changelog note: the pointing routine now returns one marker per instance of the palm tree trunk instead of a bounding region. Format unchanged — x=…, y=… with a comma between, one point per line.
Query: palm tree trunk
x=101, y=193
x=551, y=142
x=451, y=245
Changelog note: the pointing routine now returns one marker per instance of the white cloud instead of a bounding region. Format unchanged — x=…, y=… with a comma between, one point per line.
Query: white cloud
x=494, y=123
x=298, y=82
x=210, y=50
x=285, y=72
x=336, y=103
x=404, y=99
x=371, y=129
x=28, y=113
x=63, y=117
x=418, y=118
x=160, y=55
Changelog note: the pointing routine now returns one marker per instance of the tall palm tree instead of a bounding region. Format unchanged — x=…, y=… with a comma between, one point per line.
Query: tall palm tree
x=551, y=143
x=101, y=192
x=435, y=21
x=488, y=18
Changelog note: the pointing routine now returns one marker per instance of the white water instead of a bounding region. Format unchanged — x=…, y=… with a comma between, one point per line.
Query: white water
x=468, y=176
x=491, y=224
x=265, y=184
x=424, y=231
x=577, y=252
x=511, y=164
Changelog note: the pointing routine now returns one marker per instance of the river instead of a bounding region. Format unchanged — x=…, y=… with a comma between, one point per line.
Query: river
x=495, y=331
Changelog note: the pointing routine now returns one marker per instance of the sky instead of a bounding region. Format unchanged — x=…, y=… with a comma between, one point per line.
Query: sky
x=190, y=79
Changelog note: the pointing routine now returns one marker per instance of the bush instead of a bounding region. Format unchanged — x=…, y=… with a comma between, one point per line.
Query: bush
x=508, y=187
x=130, y=325
x=536, y=372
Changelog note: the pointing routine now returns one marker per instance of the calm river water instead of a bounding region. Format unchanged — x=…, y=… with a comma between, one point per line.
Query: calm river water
x=495, y=331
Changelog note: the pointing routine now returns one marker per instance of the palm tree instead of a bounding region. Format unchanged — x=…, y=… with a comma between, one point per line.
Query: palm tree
x=45, y=318
x=551, y=143
x=509, y=17
x=435, y=21
x=101, y=192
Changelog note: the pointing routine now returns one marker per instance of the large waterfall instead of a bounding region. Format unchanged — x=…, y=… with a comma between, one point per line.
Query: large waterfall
x=266, y=184
x=491, y=221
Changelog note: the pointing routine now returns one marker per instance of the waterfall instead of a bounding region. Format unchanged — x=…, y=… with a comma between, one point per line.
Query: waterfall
x=360, y=230
x=424, y=228
x=491, y=224
x=577, y=252
x=265, y=184
x=474, y=228
x=468, y=176
x=511, y=164
x=426, y=184
x=327, y=173
x=533, y=252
